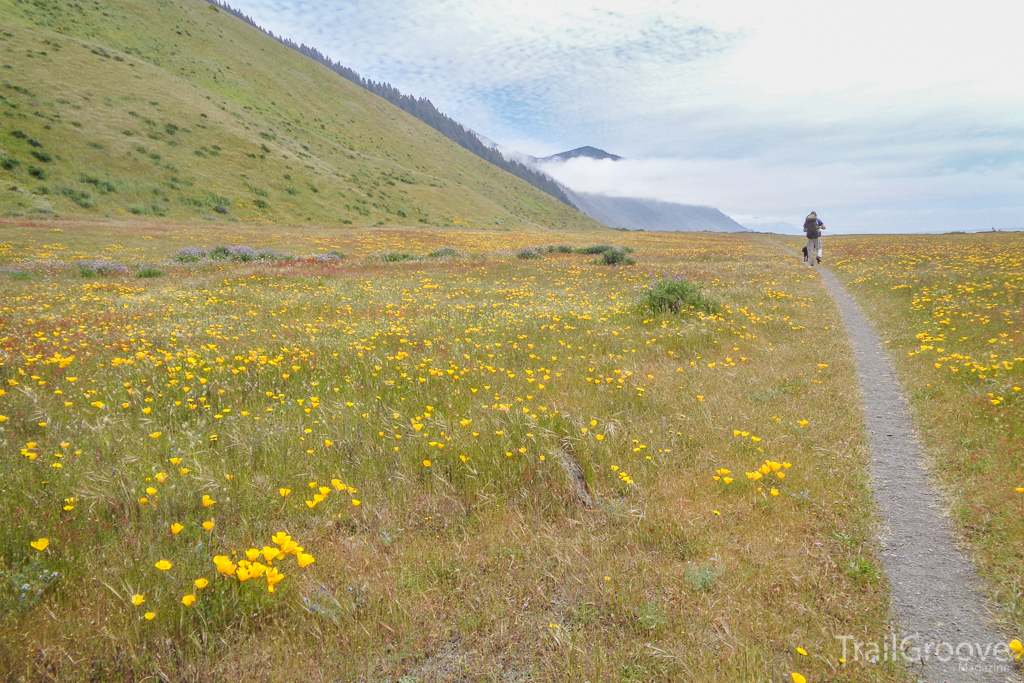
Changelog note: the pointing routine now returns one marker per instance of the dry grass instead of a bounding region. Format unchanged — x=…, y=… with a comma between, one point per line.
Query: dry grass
x=949, y=307
x=487, y=568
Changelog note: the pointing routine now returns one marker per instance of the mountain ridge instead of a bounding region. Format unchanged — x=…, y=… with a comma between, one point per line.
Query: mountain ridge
x=585, y=151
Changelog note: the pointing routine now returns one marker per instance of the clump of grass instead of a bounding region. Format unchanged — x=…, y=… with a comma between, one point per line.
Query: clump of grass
x=396, y=256
x=560, y=249
x=596, y=249
x=9, y=163
x=702, y=578
x=530, y=255
x=676, y=295
x=80, y=197
x=144, y=210
x=862, y=570
x=330, y=257
x=261, y=204
x=44, y=157
x=444, y=252
x=102, y=186
x=150, y=272
x=37, y=172
x=100, y=267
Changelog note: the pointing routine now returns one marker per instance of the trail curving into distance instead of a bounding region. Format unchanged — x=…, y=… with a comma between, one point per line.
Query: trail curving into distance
x=934, y=599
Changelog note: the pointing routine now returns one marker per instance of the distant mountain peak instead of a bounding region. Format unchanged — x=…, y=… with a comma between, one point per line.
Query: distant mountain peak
x=591, y=152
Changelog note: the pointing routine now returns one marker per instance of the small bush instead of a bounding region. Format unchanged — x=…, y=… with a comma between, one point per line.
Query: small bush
x=560, y=249
x=261, y=204
x=596, y=249
x=188, y=255
x=862, y=571
x=395, y=256
x=103, y=186
x=444, y=252
x=9, y=163
x=44, y=157
x=101, y=266
x=675, y=296
x=150, y=272
x=36, y=172
x=220, y=208
x=80, y=197
x=701, y=578
x=614, y=257
x=530, y=255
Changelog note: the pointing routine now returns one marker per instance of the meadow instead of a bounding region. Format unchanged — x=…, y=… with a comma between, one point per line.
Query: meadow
x=414, y=454
x=950, y=308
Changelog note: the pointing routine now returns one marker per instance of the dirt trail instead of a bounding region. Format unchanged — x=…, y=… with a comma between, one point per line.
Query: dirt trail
x=933, y=584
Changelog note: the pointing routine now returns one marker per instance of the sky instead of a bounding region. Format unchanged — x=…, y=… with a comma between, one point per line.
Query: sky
x=881, y=116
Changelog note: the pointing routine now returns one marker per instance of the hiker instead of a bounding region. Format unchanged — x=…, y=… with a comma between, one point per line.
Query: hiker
x=813, y=227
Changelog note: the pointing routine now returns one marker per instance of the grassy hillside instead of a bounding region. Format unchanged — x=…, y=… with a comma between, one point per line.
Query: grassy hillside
x=178, y=109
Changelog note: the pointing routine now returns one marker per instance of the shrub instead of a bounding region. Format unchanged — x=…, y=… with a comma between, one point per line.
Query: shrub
x=614, y=257
x=560, y=249
x=530, y=255
x=442, y=253
x=677, y=295
x=220, y=208
x=80, y=197
x=398, y=256
x=103, y=186
x=9, y=163
x=150, y=272
x=701, y=578
x=44, y=157
x=36, y=172
x=101, y=266
x=189, y=255
x=261, y=204
x=596, y=249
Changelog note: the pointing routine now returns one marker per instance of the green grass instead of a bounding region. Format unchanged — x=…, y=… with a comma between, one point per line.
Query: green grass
x=173, y=110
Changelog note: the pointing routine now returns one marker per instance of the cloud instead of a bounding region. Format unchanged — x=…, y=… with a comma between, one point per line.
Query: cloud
x=759, y=109
x=855, y=197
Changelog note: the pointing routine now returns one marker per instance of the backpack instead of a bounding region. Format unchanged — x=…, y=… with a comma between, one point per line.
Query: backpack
x=811, y=227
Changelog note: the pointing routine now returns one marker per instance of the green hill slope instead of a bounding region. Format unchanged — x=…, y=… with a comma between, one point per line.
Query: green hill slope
x=174, y=108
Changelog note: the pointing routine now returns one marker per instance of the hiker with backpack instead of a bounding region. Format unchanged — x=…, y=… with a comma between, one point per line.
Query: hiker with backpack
x=813, y=227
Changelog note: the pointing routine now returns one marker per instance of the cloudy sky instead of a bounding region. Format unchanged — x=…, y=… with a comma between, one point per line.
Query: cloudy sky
x=905, y=116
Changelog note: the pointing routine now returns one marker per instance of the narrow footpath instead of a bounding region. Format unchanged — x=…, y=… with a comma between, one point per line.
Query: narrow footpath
x=933, y=585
